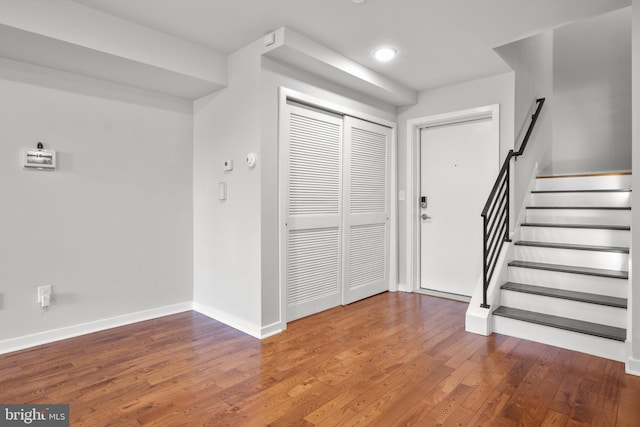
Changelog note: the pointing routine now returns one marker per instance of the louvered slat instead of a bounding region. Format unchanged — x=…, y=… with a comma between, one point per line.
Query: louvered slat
x=368, y=171
x=367, y=254
x=313, y=265
x=314, y=166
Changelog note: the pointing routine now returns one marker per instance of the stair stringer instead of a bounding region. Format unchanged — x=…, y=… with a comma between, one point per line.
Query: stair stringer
x=561, y=338
x=479, y=320
x=632, y=365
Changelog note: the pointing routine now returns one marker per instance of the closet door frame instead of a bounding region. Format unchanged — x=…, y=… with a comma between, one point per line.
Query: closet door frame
x=289, y=95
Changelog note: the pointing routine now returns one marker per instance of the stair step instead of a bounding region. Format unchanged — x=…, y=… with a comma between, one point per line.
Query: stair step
x=587, y=174
x=580, y=198
x=560, y=233
x=571, y=269
x=588, y=328
x=618, y=249
x=565, y=294
x=587, y=226
x=591, y=215
x=565, y=253
x=618, y=180
x=594, y=208
x=569, y=281
x=612, y=190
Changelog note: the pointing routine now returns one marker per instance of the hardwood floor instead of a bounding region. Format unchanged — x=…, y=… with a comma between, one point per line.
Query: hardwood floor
x=391, y=360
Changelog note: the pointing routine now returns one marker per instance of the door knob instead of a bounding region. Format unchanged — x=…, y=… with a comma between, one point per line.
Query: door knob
x=425, y=216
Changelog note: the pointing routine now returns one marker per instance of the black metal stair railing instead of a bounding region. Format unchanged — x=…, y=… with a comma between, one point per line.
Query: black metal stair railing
x=495, y=215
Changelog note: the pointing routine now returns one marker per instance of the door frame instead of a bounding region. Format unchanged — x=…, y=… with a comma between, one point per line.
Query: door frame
x=412, y=213
x=287, y=95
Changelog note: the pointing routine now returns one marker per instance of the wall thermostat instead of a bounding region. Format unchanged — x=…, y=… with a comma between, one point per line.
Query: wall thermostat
x=38, y=158
x=251, y=160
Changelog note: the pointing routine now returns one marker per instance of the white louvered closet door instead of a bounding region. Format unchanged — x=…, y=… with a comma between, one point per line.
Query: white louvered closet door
x=312, y=206
x=366, y=214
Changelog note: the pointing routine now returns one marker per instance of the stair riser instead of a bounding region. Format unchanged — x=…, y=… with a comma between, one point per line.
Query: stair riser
x=569, y=281
x=587, y=312
x=585, y=183
x=577, y=236
x=579, y=216
x=593, y=259
x=581, y=199
x=596, y=346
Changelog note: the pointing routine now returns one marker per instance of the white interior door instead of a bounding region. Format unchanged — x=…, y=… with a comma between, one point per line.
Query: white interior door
x=312, y=211
x=367, y=153
x=458, y=165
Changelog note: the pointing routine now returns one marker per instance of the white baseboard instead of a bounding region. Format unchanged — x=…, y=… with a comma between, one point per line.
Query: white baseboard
x=273, y=329
x=46, y=337
x=404, y=287
x=478, y=322
x=229, y=320
x=633, y=366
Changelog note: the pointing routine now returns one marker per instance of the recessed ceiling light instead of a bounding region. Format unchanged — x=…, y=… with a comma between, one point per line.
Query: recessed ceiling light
x=359, y=1
x=384, y=54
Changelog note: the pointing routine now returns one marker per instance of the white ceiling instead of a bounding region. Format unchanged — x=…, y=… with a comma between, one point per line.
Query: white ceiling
x=440, y=42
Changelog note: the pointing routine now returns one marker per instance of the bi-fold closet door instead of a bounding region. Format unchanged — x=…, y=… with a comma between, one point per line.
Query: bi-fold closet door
x=335, y=209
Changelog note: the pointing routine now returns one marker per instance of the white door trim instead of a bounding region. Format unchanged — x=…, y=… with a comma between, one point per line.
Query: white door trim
x=412, y=163
x=286, y=94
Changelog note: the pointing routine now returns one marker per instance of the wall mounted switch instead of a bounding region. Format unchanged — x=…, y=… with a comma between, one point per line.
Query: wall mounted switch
x=44, y=295
x=222, y=191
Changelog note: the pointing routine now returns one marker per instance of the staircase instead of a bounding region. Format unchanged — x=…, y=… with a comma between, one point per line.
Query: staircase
x=568, y=281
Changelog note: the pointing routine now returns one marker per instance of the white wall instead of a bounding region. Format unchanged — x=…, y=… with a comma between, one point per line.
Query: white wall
x=634, y=298
x=532, y=61
x=592, y=96
x=491, y=90
x=111, y=228
x=227, y=234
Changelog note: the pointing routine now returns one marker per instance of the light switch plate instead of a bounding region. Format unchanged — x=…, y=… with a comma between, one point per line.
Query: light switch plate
x=222, y=191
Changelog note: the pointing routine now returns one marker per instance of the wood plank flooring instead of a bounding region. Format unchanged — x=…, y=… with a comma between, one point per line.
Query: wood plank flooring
x=392, y=360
